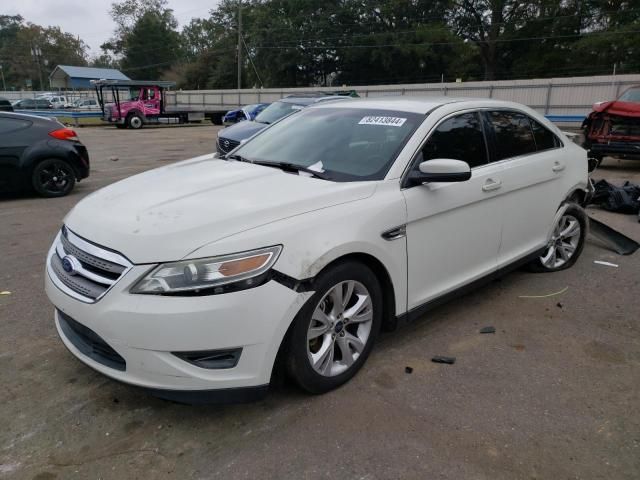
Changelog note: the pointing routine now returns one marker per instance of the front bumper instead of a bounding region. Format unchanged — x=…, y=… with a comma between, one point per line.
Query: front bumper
x=630, y=149
x=147, y=330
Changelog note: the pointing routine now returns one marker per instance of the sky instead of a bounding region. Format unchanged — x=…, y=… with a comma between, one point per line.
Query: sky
x=90, y=18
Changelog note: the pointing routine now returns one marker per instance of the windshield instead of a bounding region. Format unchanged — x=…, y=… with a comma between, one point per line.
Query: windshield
x=631, y=95
x=276, y=111
x=347, y=144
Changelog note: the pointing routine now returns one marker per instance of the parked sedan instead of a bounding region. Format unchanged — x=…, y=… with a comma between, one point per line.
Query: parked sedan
x=32, y=104
x=190, y=280
x=231, y=137
x=40, y=154
x=248, y=112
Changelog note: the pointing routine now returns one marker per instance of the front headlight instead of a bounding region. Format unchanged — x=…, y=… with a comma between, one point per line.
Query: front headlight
x=217, y=273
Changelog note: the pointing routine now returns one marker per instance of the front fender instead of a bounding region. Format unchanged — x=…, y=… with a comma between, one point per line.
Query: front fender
x=313, y=240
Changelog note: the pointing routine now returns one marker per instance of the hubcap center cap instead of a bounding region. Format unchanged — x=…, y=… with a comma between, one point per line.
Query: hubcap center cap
x=339, y=326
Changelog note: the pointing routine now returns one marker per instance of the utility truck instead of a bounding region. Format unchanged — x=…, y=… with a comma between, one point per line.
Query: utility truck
x=135, y=103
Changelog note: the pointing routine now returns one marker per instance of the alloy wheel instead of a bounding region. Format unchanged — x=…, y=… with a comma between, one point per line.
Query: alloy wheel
x=340, y=328
x=564, y=242
x=55, y=177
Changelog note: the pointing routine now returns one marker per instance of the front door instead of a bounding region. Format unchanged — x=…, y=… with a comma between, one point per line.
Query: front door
x=151, y=100
x=453, y=229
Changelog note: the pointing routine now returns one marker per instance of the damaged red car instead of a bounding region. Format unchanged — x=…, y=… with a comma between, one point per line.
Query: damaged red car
x=612, y=129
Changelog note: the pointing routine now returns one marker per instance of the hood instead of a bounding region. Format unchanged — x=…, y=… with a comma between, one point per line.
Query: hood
x=623, y=109
x=242, y=130
x=165, y=214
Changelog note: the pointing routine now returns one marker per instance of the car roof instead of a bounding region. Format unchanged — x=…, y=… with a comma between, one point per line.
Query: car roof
x=26, y=116
x=417, y=104
x=311, y=99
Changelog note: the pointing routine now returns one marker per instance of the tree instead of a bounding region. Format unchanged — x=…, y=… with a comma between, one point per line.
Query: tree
x=29, y=53
x=487, y=23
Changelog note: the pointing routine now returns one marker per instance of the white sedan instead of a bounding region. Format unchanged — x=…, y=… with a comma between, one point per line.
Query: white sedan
x=303, y=242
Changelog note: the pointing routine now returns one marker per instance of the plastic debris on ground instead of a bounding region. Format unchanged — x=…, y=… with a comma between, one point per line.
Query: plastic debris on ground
x=5, y=292
x=618, y=242
x=408, y=370
x=560, y=292
x=488, y=330
x=607, y=264
x=441, y=359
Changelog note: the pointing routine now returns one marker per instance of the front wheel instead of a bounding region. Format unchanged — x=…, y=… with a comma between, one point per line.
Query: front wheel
x=135, y=122
x=566, y=243
x=334, y=332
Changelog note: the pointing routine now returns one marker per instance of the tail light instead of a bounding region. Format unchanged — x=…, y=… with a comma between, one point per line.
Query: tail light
x=65, y=134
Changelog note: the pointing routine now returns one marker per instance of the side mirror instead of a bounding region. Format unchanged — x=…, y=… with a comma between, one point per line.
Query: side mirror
x=442, y=170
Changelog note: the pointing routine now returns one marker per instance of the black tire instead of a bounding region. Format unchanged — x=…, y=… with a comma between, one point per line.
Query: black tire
x=298, y=361
x=573, y=211
x=53, y=177
x=134, y=121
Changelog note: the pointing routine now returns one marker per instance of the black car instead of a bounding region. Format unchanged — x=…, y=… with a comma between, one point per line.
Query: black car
x=32, y=104
x=40, y=154
x=5, y=105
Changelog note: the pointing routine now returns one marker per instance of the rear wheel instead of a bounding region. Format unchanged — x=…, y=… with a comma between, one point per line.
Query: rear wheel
x=53, y=177
x=334, y=332
x=566, y=243
x=135, y=121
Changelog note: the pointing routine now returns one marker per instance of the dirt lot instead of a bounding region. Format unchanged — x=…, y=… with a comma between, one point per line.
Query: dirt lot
x=554, y=394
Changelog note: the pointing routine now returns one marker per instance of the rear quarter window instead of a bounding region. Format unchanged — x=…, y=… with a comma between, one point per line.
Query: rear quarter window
x=513, y=134
x=8, y=125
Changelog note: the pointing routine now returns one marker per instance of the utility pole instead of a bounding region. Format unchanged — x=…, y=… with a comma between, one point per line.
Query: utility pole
x=4, y=85
x=37, y=53
x=239, y=44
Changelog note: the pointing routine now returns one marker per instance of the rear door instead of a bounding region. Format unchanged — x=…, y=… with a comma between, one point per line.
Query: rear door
x=533, y=166
x=453, y=229
x=13, y=141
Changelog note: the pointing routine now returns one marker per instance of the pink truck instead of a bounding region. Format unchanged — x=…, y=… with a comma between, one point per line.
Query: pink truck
x=135, y=103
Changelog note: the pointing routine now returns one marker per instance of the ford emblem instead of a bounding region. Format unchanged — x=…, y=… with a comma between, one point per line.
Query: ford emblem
x=70, y=264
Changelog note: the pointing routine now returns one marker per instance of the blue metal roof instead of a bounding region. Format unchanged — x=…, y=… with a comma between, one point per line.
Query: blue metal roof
x=91, y=73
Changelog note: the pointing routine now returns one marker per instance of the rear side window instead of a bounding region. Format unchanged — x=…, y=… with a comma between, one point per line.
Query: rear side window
x=458, y=138
x=545, y=139
x=12, y=124
x=513, y=134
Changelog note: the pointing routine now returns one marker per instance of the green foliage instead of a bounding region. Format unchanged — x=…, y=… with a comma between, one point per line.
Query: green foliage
x=29, y=53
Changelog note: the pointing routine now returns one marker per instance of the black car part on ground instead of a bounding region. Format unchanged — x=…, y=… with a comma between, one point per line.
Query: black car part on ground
x=624, y=199
x=621, y=244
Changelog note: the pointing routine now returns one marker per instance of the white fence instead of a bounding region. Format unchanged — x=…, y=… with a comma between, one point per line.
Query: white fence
x=559, y=97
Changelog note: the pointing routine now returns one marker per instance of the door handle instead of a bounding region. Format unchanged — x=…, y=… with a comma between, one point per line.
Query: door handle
x=491, y=184
x=558, y=167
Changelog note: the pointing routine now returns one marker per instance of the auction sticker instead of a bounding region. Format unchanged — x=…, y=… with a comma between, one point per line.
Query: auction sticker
x=385, y=121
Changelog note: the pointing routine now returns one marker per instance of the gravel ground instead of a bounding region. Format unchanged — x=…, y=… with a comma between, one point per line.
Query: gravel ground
x=553, y=394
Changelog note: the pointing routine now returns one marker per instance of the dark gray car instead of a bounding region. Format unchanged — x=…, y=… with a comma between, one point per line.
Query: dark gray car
x=230, y=137
x=39, y=154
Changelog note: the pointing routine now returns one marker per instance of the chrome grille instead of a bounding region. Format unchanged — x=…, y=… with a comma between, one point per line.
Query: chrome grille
x=82, y=269
x=225, y=145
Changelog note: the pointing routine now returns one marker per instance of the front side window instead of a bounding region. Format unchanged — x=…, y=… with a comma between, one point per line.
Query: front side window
x=513, y=134
x=458, y=138
x=345, y=144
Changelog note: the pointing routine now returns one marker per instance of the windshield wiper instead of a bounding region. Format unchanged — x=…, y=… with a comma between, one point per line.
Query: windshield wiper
x=292, y=167
x=237, y=157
